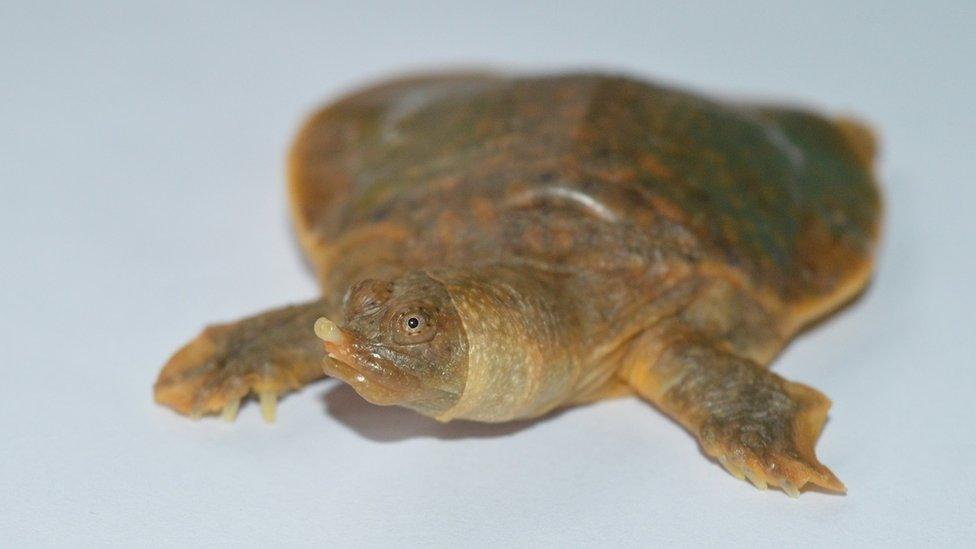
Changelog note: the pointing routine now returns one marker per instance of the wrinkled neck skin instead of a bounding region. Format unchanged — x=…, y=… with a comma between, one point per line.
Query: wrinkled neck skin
x=526, y=339
x=536, y=340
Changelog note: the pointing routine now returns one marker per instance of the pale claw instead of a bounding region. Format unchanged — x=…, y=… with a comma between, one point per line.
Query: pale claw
x=732, y=469
x=229, y=412
x=269, y=405
x=755, y=480
x=790, y=489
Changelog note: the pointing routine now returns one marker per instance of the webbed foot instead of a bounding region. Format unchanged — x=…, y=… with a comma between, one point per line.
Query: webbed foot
x=758, y=425
x=776, y=446
x=268, y=355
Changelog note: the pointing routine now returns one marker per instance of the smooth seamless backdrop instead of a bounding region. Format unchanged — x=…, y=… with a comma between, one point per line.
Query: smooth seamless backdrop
x=141, y=167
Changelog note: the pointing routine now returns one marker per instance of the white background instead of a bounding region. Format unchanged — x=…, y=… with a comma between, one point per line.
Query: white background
x=141, y=165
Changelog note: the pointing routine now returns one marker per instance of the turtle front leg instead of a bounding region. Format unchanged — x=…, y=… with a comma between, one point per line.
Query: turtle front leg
x=269, y=354
x=758, y=425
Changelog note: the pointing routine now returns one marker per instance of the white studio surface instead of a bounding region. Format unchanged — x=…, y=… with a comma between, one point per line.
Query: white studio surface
x=141, y=163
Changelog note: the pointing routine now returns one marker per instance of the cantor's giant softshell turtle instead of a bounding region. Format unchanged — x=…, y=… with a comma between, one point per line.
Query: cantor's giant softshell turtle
x=491, y=248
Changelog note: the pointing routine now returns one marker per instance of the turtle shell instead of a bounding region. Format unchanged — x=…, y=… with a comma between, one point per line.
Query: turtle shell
x=782, y=197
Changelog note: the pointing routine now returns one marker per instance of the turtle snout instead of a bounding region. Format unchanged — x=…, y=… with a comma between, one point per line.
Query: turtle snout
x=328, y=331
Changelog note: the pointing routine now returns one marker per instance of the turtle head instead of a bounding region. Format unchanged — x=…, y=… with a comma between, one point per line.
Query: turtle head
x=489, y=344
x=401, y=342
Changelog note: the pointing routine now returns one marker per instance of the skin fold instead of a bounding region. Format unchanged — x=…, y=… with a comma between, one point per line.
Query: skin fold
x=491, y=248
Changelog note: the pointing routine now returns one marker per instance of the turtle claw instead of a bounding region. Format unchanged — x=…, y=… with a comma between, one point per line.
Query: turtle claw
x=229, y=412
x=269, y=405
x=777, y=470
x=756, y=480
x=787, y=474
x=733, y=470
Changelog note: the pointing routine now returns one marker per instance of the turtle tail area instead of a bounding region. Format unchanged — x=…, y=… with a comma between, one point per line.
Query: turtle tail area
x=839, y=218
x=861, y=138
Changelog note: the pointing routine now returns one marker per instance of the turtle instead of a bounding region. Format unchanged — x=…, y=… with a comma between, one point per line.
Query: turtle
x=492, y=247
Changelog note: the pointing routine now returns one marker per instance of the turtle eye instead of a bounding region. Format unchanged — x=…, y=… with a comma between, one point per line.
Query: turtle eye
x=412, y=326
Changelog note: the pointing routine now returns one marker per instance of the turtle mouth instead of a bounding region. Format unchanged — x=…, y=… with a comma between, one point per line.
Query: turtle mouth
x=363, y=367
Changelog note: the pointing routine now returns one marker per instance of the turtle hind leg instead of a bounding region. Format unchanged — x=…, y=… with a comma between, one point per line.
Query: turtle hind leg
x=758, y=425
x=268, y=354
